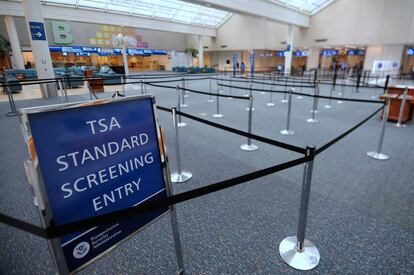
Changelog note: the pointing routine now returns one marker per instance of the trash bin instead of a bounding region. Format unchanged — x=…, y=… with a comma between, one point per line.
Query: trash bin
x=48, y=90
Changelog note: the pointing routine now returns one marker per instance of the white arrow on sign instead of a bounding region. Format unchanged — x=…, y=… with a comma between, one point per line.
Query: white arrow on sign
x=38, y=34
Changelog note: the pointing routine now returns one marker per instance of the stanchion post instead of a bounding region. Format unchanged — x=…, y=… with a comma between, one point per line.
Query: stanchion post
x=402, y=108
x=296, y=251
x=249, y=146
x=284, y=100
x=217, y=114
x=270, y=103
x=145, y=85
x=288, y=131
x=210, y=99
x=180, y=123
x=378, y=154
x=180, y=175
x=316, y=98
x=123, y=79
x=250, y=95
x=142, y=86
x=329, y=105
x=312, y=119
x=301, y=88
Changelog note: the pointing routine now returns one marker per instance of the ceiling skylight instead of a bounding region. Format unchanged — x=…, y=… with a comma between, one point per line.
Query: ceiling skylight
x=172, y=10
x=307, y=6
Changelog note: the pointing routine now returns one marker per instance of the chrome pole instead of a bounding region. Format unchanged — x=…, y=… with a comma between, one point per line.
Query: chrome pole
x=301, y=88
x=249, y=146
x=402, y=107
x=217, y=114
x=329, y=105
x=287, y=131
x=270, y=103
x=180, y=175
x=142, y=87
x=316, y=98
x=378, y=154
x=180, y=123
x=284, y=100
x=296, y=251
x=210, y=99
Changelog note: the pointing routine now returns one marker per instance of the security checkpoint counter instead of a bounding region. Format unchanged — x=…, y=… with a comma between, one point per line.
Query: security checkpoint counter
x=396, y=94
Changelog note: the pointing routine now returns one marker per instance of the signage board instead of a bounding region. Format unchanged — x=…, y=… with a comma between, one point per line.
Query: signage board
x=410, y=51
x=252, y=62
x=37, y=30
x=96, y=159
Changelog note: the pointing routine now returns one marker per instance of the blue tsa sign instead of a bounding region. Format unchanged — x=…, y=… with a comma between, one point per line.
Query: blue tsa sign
x=96, y=159
x=37, y=30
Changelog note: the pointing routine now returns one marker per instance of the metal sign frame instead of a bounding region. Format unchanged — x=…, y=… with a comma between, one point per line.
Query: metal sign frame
x=39, y=188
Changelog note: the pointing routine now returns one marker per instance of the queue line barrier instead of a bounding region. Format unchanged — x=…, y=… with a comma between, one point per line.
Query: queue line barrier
x=286, y=249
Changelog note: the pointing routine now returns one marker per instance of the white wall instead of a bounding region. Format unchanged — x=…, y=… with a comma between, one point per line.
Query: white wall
x=244, y=32
x=362, y=22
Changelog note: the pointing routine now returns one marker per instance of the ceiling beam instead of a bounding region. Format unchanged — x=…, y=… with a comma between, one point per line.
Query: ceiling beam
x=101, y=17
x=258, y=8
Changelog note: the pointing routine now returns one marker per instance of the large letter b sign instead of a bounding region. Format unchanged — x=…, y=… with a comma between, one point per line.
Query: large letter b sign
x=62, y=32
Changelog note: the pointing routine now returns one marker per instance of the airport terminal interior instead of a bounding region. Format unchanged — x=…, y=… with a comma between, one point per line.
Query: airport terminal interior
x=207, y=137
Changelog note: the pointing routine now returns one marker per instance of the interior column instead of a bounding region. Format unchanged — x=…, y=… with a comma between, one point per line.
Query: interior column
x=17, y=58
x=289, y=50
x=200, y=52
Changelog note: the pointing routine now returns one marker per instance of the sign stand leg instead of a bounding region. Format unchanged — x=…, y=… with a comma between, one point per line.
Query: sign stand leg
x=296, y=251
x=13, y=111
x=176, y=233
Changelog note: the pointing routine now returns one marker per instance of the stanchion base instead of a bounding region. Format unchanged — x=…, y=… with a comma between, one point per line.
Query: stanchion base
x=247, y=147
x=248, y=109
x=181, y=124
x=339, y=102
x=339, y=94
x=246, y=95
x=217, y=115
x=184, y=105
x=379, y=156
x=315, y=111
x=284, y=101
x=210, y=100
x=186, y=95
x=327, y=106
x=311, y=120
x=270, y=104
x=301, y=260
x=229, y=97
x=400, y=125
x=10, y=114
x=262, y=93
x=287, y=132
x=178, y=178
x=299, y=97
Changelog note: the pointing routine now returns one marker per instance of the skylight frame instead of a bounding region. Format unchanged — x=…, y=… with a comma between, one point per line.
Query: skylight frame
x=174, y=10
